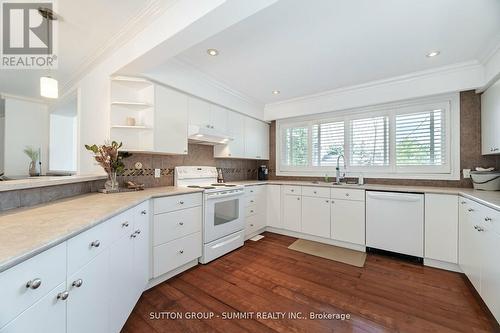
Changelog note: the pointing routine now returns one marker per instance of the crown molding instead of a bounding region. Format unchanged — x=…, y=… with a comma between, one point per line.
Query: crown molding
x=133, y=26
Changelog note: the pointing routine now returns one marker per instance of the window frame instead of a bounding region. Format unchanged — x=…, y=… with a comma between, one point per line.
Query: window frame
x=450, y=103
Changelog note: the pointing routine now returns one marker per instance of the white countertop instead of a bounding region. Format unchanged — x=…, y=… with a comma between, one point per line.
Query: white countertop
x=19, y=184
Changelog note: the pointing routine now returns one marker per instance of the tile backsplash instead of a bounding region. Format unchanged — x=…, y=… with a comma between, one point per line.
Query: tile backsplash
x=199, y=155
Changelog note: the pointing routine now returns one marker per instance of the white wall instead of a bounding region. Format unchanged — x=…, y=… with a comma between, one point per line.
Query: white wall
x=62, y=143
x=26, y=124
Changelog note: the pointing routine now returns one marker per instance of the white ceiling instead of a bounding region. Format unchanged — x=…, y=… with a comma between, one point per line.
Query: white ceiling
x=85, y=29
x=303, y=47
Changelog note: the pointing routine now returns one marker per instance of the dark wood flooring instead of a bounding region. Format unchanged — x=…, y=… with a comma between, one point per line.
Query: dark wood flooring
x=387, y=295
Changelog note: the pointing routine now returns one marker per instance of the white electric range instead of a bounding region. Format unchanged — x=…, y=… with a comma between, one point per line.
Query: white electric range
x=223, y=210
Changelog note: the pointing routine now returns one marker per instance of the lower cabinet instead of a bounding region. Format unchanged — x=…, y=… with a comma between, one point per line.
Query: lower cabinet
x=292, y=212
x=316, y=216
x=87, y=309
x=348, y=221
x=274, y=206
x=46, y=315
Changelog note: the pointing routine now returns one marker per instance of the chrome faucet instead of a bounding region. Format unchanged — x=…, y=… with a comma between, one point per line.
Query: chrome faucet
x=338, y=178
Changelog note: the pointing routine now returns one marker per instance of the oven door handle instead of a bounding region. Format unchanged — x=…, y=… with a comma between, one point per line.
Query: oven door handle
x=220, y=196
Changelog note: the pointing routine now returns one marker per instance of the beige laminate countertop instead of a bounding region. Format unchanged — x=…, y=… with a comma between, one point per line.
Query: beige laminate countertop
x=25, y=232
x=488, y=198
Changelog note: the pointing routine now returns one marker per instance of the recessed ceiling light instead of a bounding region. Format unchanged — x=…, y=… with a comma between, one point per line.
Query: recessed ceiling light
x=432, y=54
x=276, y=92
x=213, y=52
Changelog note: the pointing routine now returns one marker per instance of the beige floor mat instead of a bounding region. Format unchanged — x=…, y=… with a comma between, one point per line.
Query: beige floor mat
x=346, y=256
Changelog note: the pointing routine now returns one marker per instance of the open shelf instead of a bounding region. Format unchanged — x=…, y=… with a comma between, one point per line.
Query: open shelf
x=132, y=82
x=132, y=127
x=132, y=105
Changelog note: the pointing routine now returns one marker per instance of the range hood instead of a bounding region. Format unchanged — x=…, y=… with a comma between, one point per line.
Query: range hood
x=207, y=136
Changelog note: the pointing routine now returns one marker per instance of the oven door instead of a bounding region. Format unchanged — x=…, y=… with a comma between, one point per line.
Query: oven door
x=224, y=215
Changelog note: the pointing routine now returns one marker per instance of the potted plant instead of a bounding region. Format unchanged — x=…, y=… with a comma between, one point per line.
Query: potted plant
x=108, y=157
x=33, y=155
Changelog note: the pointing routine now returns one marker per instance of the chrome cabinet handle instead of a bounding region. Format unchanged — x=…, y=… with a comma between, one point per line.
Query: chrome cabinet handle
x=134, y=235
x=292, y=190
x=125, y=225
x=326, y=201
x=144, y=212
x=181, y=223
x=77, y=283
x=463, y=202
x=181, y=202
x=181, y=251
x=34, y=284
x=95, y=243
x=251, y=201
x=298, y=198
x=137, y=232
x=487, y=219
x=251, y=211
x=480, y=229
x=347, y=194
x=251, y=225
x=333, y=202
x=470, y=210
x=315, y=192
x=63, y=295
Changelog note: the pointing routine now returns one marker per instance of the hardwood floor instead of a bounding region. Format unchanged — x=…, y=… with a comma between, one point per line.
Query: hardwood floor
x=264, y=277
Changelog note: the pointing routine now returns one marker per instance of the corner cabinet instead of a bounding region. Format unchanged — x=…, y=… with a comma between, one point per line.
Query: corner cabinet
x=490, y=120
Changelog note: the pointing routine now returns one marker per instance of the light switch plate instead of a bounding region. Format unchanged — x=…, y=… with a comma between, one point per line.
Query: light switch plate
x=157, y=173
x=466, y=173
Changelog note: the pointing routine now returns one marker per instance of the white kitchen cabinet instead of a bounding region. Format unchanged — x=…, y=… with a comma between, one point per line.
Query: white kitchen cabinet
x=256, y=139
x=170, y=121
x=490, y=120
x=490, y=270
x=46, y=315
x=441, y=227
x=199, y=112
x=292, y=212
x=274, y=206
x=469, y=241
x=218, y=118
x=87, y=304
x=348, y=221
x=235, y=148
x=315, y=218
x=141, y=257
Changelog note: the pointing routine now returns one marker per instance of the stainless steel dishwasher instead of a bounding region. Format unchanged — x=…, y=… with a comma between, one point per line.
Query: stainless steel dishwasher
x=395, y=222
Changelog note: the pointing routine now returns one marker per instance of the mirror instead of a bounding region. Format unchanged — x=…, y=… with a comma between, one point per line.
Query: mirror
x=37, y=139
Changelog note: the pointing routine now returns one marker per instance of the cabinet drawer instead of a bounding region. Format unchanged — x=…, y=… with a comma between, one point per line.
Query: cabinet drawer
x=254, y=223
x=48, y=267
x=87, y=245
x=176, y=202
x=173, y=225
x=347, y=194
x=252, y=200
x=251, y=210
x=321, y=192
x=121, y=225
x=176, y=253
x=291, y=189
x=254, y=190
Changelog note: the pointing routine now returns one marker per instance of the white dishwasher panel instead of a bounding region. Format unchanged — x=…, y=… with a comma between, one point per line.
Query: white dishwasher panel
x=395, y=222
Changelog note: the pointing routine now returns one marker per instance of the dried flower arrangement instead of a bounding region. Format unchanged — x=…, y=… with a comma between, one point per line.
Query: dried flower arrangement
x=111, y=160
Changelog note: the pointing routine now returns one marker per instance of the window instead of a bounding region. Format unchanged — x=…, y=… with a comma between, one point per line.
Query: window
x=370, y=141
x=327, y=143
x=295, y=146
x=417, y=139
x=420, y=139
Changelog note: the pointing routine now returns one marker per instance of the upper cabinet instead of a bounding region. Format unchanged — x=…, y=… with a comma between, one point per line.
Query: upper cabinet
x=490, y=120
x=204, y=114
x=236, y=130
x=256, y=139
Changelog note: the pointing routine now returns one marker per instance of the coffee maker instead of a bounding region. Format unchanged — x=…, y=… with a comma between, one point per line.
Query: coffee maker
x=263, y=172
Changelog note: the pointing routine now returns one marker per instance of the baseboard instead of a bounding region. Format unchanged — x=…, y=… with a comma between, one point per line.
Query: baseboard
x=162, y=278
x=258, y=232
x=296, y=234
x=442, y=265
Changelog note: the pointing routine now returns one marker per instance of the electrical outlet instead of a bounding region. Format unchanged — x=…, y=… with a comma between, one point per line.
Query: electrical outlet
x=157, y=173
x=466, y=173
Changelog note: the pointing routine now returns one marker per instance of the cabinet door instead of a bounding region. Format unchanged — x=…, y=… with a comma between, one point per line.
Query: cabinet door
x=274, y=206
x=46, y=315
x=171, y=121
x=235, y=148
x=87, y=304
x=348, y=221
x=264, y=137
x=122, y=297
x=141, y=261
x=253, y=140
x=490, y=120
x=441, y=227
x=490, y=270
x=469, y=242
x=316, y=216
x=218, y=118
x=292, y=212
x=199, y=112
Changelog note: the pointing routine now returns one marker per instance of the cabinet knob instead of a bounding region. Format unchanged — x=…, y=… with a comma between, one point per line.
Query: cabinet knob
x=487, y=219
x=137, y=232
x=470, y=209
x=251, y=224
x=63, y=296
x=251, y=210
x=144, y=212
x=181, y=202
x=134, y=235
x=326, y=201
x=77, y=283
x=463, y=202
x=181, y=251
x=34, y=284
x=315, y=192
x=181, y=223
x=298, y=198
x=347, y=194
x=333, y=202
x=292, y=190
x=125, y=225
x=95, y=243
x=251, y=201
